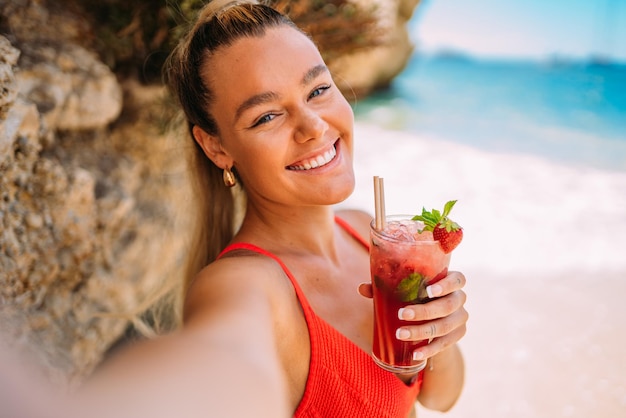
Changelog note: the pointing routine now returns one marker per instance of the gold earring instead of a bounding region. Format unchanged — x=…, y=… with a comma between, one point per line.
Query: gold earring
x=229, y=178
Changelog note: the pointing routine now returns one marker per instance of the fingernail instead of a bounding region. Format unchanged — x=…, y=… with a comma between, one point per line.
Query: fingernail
x=434, y=290
x=417, y=355
x=406, y=314
x=402, y=334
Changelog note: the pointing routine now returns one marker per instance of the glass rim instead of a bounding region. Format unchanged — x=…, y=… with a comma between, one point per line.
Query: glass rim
x=404, y=217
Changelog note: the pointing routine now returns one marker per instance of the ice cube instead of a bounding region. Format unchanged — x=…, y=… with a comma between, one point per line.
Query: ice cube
x=423, y=236
x=408, y=230
x=401, y=230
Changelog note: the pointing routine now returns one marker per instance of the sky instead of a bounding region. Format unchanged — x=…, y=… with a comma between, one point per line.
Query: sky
x=514, y=29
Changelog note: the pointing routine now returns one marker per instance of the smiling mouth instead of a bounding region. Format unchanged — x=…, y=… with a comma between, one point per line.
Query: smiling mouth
x=315, y=162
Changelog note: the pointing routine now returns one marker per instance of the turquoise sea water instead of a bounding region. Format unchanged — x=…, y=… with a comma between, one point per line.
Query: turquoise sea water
x=565, y=111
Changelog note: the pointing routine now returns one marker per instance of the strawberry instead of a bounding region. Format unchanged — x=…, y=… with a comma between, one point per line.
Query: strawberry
x=445, y=230
x=448, y=238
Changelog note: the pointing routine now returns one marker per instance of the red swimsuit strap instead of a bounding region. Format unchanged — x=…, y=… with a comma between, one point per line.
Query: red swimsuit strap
x=350, y=230
x=259, y=250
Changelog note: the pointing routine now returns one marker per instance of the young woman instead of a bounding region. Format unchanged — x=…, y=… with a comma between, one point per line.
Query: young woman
x=277, y=318
x=264, y=112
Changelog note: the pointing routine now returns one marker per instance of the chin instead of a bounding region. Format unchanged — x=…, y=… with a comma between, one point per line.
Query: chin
x=343, y=189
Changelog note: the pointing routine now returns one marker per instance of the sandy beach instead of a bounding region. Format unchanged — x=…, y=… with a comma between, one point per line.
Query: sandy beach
x=544, y=256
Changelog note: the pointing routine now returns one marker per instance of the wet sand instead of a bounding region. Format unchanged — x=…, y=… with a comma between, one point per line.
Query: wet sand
x=544, y=254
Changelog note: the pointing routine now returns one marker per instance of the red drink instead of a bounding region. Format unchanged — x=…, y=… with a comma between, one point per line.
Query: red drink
x=403, y=262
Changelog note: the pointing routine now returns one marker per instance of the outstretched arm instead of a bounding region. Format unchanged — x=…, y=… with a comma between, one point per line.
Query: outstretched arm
x=206, y=369
x=223, y=363
x=186, y=374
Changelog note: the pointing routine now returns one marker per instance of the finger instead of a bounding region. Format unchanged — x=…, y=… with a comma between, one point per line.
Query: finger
x=453, y=281
x=438, y=345
x=436, y=308
x=365, y=289
x=433, y=329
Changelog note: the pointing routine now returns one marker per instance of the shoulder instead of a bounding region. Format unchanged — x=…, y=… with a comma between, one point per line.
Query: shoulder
x=357, y=219
x=244, y=283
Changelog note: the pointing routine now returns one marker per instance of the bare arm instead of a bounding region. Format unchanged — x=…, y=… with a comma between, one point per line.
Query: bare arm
x=188, y=374
x=443, y=380
x=224, y=364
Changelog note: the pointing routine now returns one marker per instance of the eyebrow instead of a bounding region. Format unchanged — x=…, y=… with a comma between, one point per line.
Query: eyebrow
x=266, y=97
x=312, y=73
x=255, y=100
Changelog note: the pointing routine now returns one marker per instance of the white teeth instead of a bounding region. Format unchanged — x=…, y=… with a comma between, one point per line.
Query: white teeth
x=318, y=161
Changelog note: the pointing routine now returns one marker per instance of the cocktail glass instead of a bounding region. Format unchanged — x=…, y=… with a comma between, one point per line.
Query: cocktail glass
x=403, y=262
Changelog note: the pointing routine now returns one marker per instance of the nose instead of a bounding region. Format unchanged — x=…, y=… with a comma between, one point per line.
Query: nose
x=310, y=126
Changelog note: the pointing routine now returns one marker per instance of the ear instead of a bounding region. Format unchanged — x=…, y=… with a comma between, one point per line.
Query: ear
x=212, y=148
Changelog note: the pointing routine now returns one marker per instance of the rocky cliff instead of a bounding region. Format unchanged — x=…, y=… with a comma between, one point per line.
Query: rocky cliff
x=92, y=181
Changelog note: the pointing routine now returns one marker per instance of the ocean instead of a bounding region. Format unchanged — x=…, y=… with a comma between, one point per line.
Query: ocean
x=568, y=112
x=533, y=149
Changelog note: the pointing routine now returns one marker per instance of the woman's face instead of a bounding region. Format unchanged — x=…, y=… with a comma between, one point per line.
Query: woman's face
x=283, y=123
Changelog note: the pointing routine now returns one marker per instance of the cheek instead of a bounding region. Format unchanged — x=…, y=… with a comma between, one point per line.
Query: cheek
x=253, y=160
x=343, y=117
x=256, y=163
x=347, y=111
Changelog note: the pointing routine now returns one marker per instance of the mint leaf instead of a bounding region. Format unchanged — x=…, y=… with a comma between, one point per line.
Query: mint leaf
x=432, y=218
x=409, y=288
x=448, y=207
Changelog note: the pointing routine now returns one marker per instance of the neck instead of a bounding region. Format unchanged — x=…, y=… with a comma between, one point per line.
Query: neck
x=301, y=230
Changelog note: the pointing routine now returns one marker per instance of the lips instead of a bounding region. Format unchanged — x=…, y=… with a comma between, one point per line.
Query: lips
x=316, y=161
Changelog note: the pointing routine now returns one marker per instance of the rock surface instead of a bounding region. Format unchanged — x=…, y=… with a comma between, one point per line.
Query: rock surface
x=88, y=185
x=93, y=185
x=361, y=73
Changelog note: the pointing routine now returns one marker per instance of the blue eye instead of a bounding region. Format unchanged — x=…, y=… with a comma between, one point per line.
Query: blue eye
x=264, y=119
x=318, y=91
